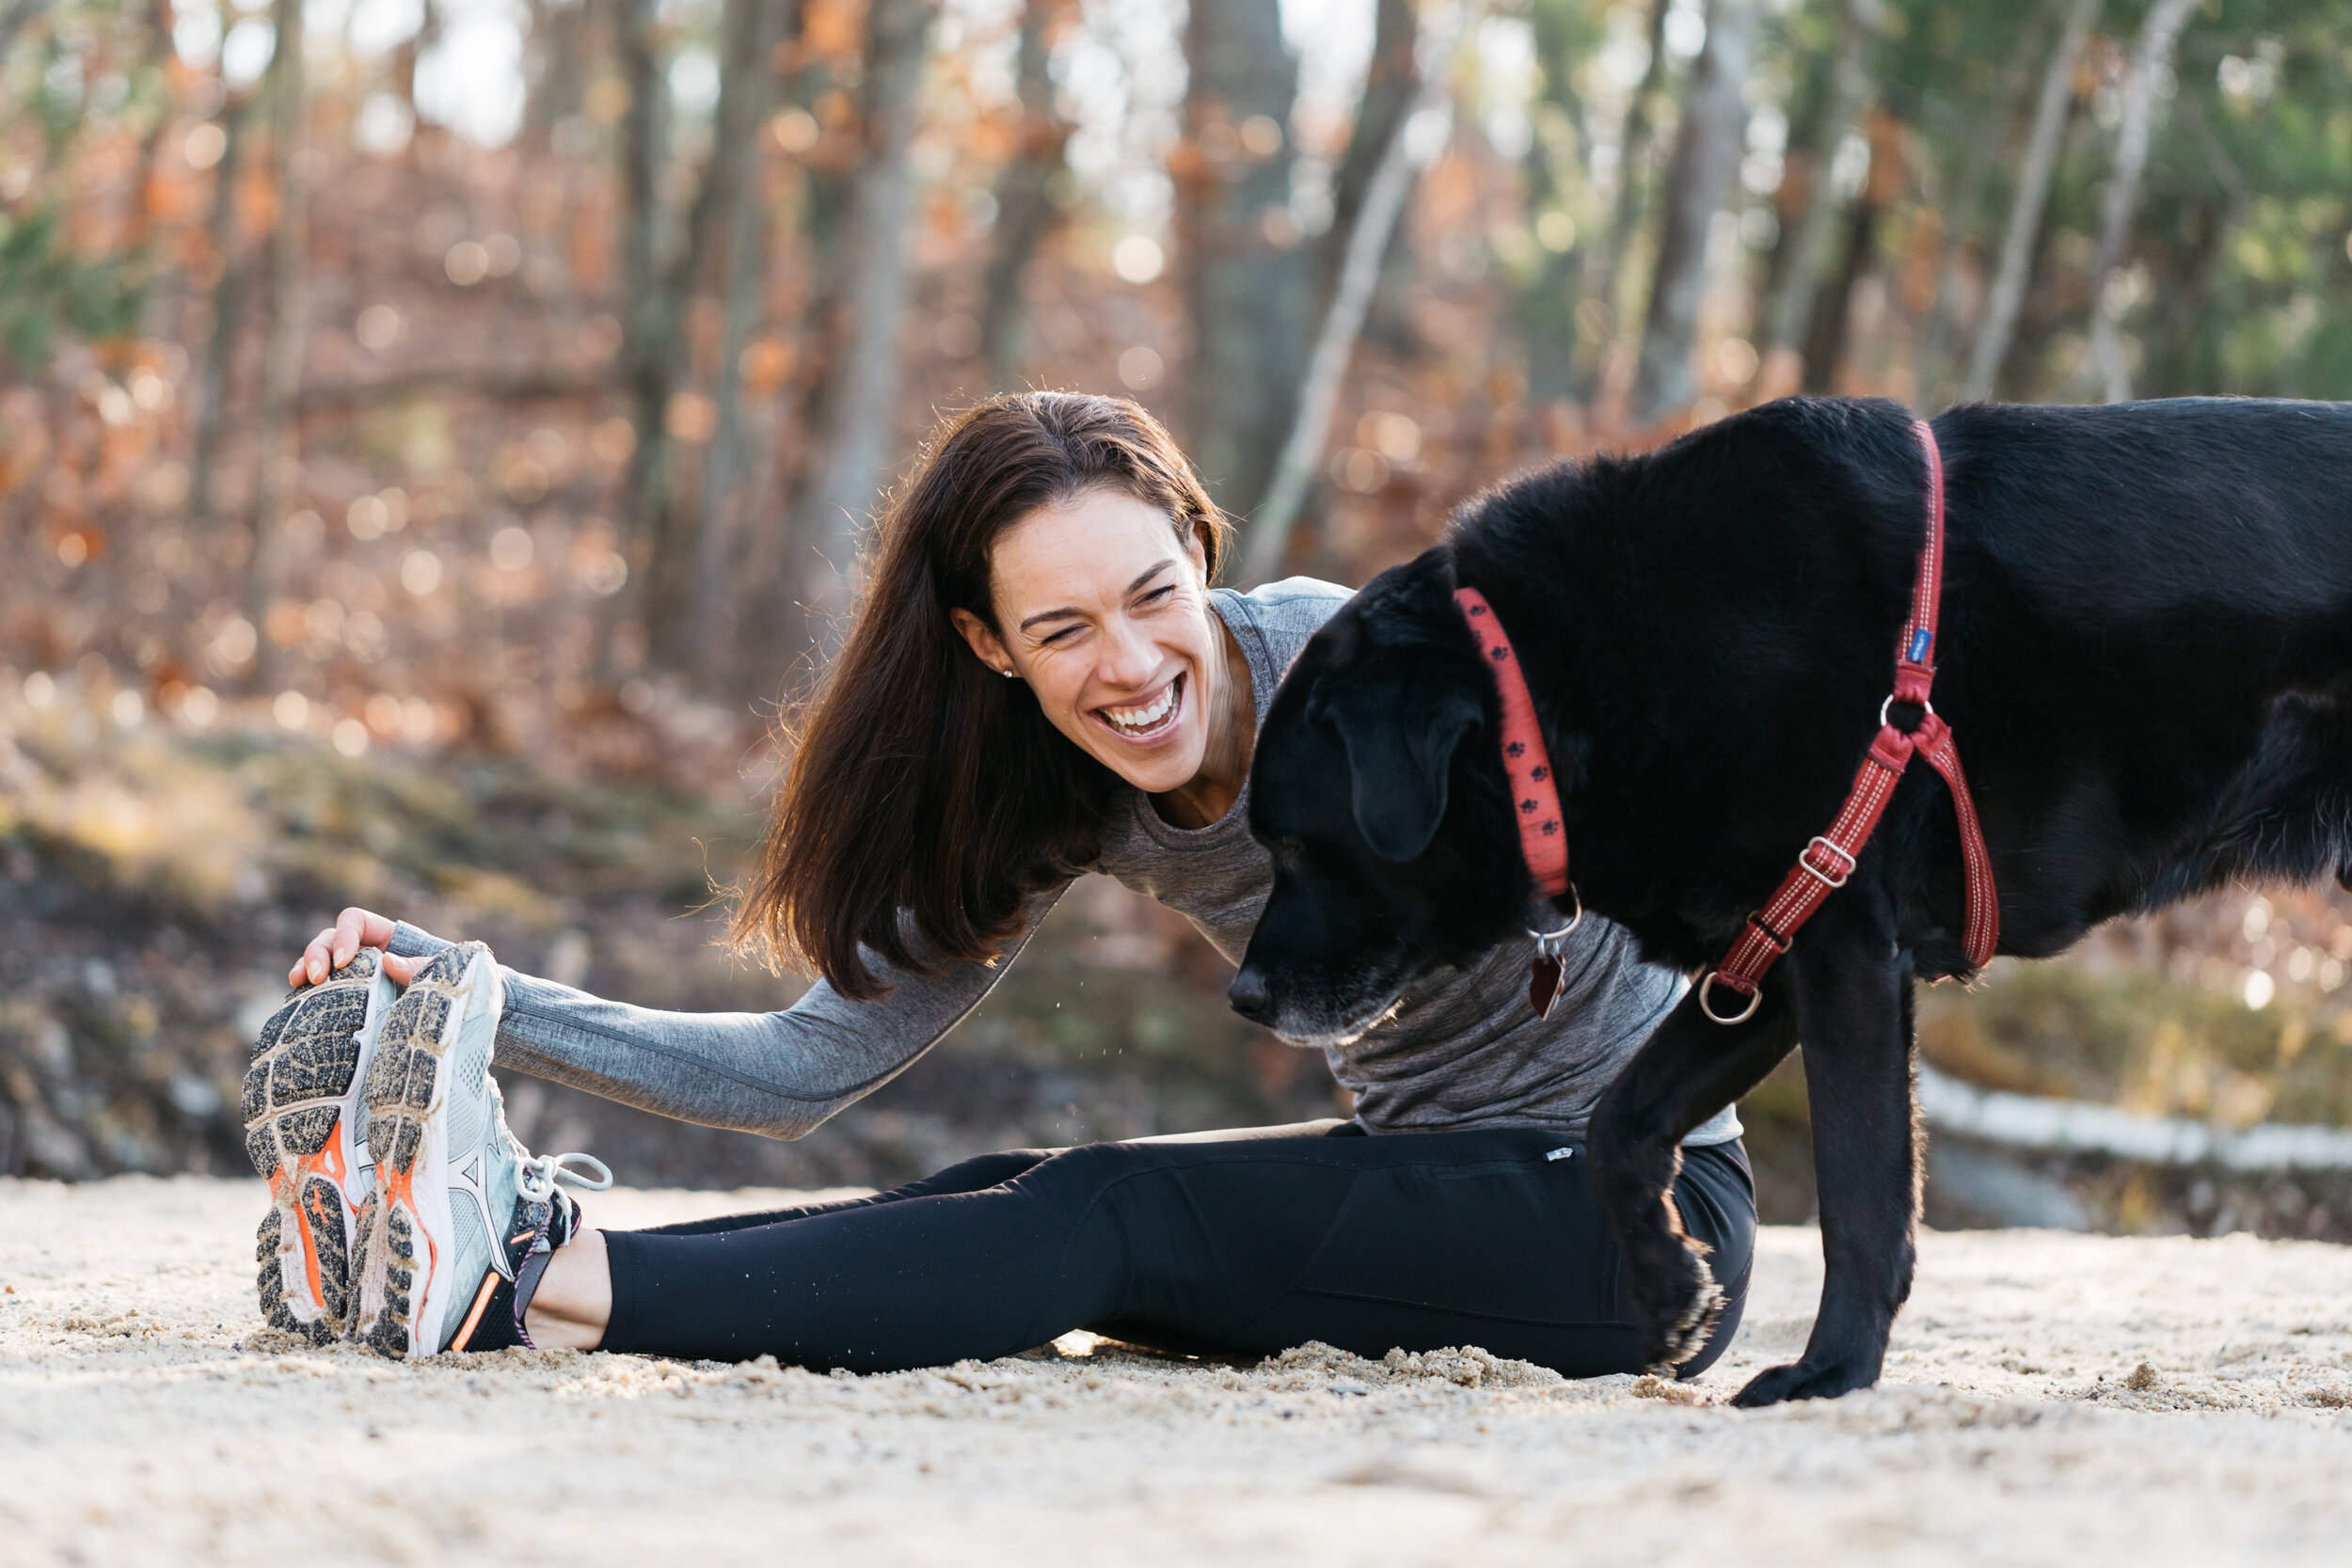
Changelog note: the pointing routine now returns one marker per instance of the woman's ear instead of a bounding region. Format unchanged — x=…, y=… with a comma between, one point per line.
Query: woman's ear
x=983, y=642
x=1199, y=553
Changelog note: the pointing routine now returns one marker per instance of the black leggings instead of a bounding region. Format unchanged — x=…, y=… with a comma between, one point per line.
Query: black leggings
x=1241, y=1241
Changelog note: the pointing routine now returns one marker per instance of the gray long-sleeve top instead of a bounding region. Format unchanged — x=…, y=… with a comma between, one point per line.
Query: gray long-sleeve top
x=1463, y=1050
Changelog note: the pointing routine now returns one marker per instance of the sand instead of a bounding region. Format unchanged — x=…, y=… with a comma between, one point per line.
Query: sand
x=2050, y=1399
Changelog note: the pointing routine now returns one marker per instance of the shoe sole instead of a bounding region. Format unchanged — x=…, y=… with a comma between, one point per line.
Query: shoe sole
x=301, y=1101
x=407, y=1243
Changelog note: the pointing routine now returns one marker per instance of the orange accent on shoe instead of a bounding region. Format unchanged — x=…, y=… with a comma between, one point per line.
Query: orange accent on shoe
x=481, y=1300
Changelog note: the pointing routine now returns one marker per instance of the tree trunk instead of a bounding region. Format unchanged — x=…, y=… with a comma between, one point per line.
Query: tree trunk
x=1633, y=151
x=672, y=522
x=1960, y=214
x=646, y=330
x=226, y=240
x=711, y=609
x=1247, y=282
x=1025, y=198
x=2051, y=114
x=1360, y=275
x=2150, y=60
x=19, y=14
x=1788, y=315
x=859, y=422
x=1391, y=82
x=558, y=51
x=278, y=432
x=1707, y=150
x=1825, y=345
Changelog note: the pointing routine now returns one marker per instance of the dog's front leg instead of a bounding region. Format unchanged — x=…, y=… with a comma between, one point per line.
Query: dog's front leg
x=1688, y=1071
x=1852, y=989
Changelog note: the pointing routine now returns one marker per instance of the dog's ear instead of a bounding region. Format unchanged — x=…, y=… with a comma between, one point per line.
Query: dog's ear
x=1400, y=750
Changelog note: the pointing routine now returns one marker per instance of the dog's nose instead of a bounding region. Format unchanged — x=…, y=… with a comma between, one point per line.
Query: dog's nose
x=1248, y=996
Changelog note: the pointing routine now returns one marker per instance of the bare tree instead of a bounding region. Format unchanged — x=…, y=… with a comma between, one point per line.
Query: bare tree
x=662, y=288
x=1024, y=197
x=278, y=437
x=1360, y=275
x=1707, y=149
x=723, y=499
x=1247, y=279
x=225, y=239
x=2051, y=113
x=857, y=426
x=647, y=344
x=1788, y=313
x=1959, y=212
x=2150, y=58
x=1634, y=155
x=15, y=19
x=1391, y=82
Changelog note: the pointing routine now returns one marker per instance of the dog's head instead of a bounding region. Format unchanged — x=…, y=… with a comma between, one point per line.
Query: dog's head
x=1380, y=792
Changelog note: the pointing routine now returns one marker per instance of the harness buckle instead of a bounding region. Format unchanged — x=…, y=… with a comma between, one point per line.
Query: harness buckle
x=1806, y=866
x=1706, y=989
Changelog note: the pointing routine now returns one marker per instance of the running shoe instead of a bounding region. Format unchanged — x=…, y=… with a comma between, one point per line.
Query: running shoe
x=305, y=1132
x=459, y=1209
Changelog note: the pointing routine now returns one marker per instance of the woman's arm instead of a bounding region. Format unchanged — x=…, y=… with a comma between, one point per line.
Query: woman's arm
x=778, y=1074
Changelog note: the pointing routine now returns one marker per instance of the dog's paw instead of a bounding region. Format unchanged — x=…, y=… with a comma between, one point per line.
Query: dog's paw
x=1679, y=1304
x=1802, y=1380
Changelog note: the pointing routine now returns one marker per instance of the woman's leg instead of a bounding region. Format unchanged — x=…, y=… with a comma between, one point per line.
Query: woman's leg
x=1411, y=1240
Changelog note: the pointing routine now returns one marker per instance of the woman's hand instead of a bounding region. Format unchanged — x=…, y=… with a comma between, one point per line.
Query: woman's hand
x=339, y=943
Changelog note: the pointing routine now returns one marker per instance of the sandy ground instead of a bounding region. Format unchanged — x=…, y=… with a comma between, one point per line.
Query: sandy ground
x=2051, y=1398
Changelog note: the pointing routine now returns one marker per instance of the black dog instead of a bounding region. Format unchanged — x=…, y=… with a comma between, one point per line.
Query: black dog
x=2145, y=658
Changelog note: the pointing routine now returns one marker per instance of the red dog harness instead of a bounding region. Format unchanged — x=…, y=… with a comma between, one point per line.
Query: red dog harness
x=1822, y=868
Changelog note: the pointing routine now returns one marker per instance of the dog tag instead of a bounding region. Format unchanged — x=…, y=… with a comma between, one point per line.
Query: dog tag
x=1546, y=980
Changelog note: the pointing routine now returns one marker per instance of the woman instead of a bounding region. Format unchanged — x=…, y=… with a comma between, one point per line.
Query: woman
x=1039, y=682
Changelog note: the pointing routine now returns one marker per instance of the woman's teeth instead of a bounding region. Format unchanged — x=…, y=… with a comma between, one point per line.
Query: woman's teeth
x=1145, y=717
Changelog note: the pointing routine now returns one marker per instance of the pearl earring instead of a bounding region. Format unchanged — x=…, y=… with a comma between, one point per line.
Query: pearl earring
x=1009, y=674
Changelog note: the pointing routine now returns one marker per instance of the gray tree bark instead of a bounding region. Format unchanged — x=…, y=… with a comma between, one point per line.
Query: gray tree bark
x=1707, y=150
x=14, y=20
x=1391, y=82
x=1960, y=214
x=226, y=242
x=278, y=432
x=723, y=503
x=1360, y=275
x=1633, y=154
x=1026, y=212
x=855, y=437
x=2051, y=113
x=2150, y=60
x=1247, y=293
x=646, y=329
x=1788, y=313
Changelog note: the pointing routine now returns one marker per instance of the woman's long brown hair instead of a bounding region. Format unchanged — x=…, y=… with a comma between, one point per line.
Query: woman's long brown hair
x=928, y=797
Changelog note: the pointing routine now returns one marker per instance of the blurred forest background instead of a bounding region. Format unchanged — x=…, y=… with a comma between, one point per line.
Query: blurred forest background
x=435, y=437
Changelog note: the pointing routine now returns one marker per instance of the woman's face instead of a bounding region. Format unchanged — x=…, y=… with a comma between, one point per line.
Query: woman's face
x=1104, y=613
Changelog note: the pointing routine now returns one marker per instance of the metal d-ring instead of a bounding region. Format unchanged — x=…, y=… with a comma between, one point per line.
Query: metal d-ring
x=1926, y=708
x=1707, y=988
x=1549, y=942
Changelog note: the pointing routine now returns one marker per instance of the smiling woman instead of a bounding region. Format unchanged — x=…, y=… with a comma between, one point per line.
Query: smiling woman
x=935, y=810
x=1065, y=542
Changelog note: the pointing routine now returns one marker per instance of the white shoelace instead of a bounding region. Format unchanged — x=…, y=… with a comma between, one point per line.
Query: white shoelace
x=540, y=1173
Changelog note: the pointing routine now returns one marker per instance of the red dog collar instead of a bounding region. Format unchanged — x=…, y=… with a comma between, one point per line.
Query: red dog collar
x=1534, y=795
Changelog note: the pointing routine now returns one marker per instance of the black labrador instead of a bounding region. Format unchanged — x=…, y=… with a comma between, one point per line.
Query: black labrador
x=2145, y=657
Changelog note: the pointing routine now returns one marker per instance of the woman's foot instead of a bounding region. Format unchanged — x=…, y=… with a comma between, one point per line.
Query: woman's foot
x=460, y=1209
x=305, y=1132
